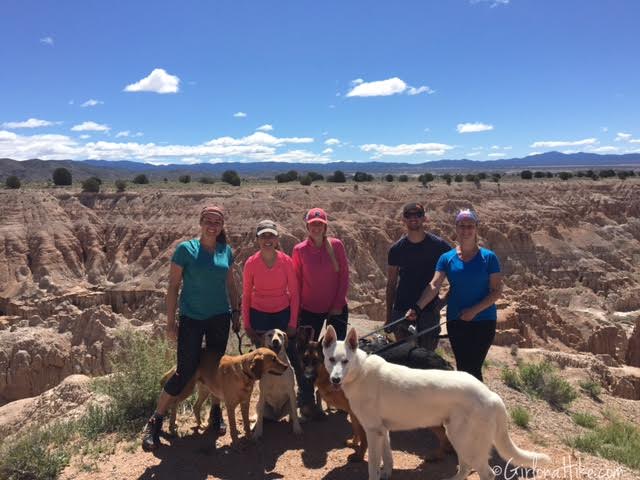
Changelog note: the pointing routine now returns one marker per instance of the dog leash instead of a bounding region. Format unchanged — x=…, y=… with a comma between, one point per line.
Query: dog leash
x=384, y=327
x=406, y=339
x=240, y=337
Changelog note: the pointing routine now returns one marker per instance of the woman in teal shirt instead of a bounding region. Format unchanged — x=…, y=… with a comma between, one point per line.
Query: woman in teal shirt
x=208, y=305
x=475, y=283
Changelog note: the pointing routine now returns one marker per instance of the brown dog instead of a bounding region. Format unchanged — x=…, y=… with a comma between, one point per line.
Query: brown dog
x=230, y=379
x=312, y=360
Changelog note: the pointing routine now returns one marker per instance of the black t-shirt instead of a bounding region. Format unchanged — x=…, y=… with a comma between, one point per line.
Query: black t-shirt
x=417, y=264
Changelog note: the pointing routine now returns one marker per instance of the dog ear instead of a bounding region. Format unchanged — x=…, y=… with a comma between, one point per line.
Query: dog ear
x=286, y=340
x=257, y=366
x=330, y=337
x=352, y=339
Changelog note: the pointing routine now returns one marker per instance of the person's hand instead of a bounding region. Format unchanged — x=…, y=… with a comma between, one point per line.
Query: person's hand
x=291, y=332
x=467, y=314
x=235, y=321
x=171, y=331
x=411, y=315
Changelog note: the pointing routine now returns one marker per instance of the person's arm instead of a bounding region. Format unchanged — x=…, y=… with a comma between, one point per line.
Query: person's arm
x=175, y=280
x=495, y=292
x=392, y=284
x=234, y=301
x=247, y=289
x=428, y=294
x=343, y=278
x=294, y=295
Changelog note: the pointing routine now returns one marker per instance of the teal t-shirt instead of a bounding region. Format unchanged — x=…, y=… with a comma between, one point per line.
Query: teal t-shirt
x=469, y=282
x=204, y=279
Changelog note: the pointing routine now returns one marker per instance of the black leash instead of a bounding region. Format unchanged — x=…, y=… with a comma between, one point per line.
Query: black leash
x=406, y=339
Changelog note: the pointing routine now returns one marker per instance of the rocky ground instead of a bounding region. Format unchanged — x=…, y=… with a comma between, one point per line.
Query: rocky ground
x=74, y=268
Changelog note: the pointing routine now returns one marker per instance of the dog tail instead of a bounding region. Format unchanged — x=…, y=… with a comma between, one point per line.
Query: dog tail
x=508, y=450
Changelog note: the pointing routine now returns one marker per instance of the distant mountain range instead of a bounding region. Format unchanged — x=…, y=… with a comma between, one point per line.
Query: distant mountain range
x=41, y=170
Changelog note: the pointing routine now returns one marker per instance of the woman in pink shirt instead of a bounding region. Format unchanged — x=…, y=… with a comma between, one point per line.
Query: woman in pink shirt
x=270, y=293
x=322, y=270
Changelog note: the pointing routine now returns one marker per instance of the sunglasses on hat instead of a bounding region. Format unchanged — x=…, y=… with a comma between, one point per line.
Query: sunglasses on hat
x=413, y=214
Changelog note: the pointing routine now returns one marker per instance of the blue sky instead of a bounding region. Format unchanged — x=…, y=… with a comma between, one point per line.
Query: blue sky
x=317, y=81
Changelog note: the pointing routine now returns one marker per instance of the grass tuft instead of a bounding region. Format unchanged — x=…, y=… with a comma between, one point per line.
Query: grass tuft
x=584, y=419
x=520, y=416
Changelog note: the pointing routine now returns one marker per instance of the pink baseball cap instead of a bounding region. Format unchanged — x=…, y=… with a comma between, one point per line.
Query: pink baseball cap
x=316, y=215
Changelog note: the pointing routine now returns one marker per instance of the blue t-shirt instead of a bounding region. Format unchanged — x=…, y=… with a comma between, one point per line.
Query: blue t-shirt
x=204, y=279
x=469, y=282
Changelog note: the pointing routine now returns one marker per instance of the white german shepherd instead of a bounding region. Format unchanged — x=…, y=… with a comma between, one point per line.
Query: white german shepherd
x=387, y=397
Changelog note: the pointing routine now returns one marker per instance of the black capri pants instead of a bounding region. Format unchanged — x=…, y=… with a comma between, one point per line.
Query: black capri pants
x=470, y=342
x=215, y=331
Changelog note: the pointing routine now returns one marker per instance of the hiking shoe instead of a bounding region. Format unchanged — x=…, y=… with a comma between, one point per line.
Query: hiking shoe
x=151, y=434
x=218, y=425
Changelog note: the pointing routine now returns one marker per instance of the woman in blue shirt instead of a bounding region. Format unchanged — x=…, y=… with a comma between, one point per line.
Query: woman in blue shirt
x=475, y=283
x=208, y=306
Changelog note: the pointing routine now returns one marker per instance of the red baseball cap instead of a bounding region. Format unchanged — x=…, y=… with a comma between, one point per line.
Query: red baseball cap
x=316, y=215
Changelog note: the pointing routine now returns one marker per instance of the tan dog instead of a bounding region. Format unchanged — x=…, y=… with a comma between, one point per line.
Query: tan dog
x=230, y=379
x=277, y=392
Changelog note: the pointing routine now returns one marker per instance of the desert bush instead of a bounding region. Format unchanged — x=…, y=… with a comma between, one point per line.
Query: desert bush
x=337, y=177
x=40, y=453
x=403, y=178
x=585, y=420
x=12, y=182
x=608, y=173
x=520, y=416
x=496, y=177
x=121, y=185
x=482, y=176
x=388, y=178
x=206, y=180
x=91, y=184
x=427, y=178
x=315, y=176
x=470, y=177
x=62, y=176
x=541, y=380
x=290, y=176
x=231, y=177
x=140, y=179
x=526, y=175
x=306, y=180
x=362, y=177
x=591, y=388
x=447, y=178
x=565, y=175
x=617, y=440
x=184, y=178
x=539, y=174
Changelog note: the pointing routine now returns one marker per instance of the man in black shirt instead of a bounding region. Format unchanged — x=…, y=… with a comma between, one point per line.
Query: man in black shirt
x=411, y=265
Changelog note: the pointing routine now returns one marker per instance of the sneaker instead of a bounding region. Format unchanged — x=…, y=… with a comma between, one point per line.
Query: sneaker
x=151, y=434
x=218, y=426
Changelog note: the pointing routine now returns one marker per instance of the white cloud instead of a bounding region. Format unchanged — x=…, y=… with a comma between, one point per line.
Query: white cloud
x=604, y=149
x=635, y=140
x=265, y=128
x=158, y=81
x=383, y=88
x=332, y=141
x=90, y=127
x=563, y=143
x=327, y=151
x=47, y=41
x=124, y=133
x=84, y=136
x=473, y=127
x=477, y=148
x=604, y=129
x=7, y=136
x=495, y=147
x=623, y=137
x=239, y=114
x=138, y=134
x=92, y=103
x=534, y=153
x=473, y=154
x=497, y=155
x=258, y=138
x=30, y=123
x=190, y=160
x=357, y=81
x=493, y=3
x=406, y=149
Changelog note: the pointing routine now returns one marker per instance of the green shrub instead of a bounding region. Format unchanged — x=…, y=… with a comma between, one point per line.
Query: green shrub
x=496, y=177
x=403, y=178
x=121, y=185
x=315, y=176
x=541, y=380
x=140, y=179
x=13, y=182
x=617, y=440
x=585, y=420
x=458, y=178
x=290, y=176
x=362, y=177
x=207, y=180
x=426, y=178
x=91, y=184
x=591, y=388
x=231, y=177
x=526, y=175
x=520, y=416
x=388, y=177
x=184, y=178
x=61, y=176
x=337, y=177
x=565, y=175
x=305, y=180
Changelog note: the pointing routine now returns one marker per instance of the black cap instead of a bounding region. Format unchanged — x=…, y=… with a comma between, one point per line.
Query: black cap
x=412, y=207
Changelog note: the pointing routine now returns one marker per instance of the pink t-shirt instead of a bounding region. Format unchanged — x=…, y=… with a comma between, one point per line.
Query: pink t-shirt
x=270, y=290
x=322, y=288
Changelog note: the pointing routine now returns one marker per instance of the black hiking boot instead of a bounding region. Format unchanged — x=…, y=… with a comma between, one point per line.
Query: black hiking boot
x=151, y=433
x=218, y=426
